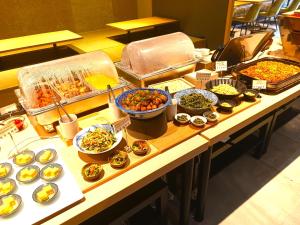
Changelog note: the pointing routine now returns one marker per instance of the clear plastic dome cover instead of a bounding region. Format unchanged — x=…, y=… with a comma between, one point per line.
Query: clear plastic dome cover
x=66, y=79
x=158, y=53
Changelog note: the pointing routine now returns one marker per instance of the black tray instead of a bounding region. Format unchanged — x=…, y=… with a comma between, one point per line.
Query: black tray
x=271, y=87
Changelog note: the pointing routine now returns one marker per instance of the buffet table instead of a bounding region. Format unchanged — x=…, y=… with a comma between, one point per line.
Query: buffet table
x=139, y=176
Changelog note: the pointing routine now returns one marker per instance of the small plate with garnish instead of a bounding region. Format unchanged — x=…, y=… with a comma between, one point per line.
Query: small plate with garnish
x=250, y=94
x=45, y=156
x=91, y=171
x=119, y=159
x=140, y=147
x=211, y=116
x=227, y=105
x=198, y=121
x=7, y=186
x=182, y=118
x=9, y=204
x=51, y=172
x=24, y=158
x=28, y=174
x=45, y=193
x=5, y=169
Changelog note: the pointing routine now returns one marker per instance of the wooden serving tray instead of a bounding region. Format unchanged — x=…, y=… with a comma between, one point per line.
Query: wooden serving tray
x=174, y=135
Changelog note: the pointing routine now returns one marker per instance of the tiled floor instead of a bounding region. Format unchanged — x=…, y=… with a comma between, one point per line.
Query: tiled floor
x=265, y=191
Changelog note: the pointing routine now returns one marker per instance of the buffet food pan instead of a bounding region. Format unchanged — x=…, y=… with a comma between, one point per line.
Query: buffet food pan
x=78, y=82
x=174, y=85
x=150, y=78
x=49, y=114
x=272, y=86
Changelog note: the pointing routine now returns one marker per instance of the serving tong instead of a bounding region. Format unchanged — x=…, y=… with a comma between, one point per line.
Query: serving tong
x=112, y=99
x=58, y=104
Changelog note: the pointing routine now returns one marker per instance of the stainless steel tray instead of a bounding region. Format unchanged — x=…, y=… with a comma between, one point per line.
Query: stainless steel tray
x=65, y=101
x=169, y=71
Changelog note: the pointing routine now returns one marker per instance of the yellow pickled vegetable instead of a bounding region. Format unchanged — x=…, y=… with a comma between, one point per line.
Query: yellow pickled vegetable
x=45, y=156
x=23, y=158
x=8, y=205
x=100, y=81
x=5, y=188
x=51, y=172
x=3, y=171
x=46, y=193
x=28, y=174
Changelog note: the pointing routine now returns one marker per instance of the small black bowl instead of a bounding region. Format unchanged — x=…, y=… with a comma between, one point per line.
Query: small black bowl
x=250, y=94
x=226, y=105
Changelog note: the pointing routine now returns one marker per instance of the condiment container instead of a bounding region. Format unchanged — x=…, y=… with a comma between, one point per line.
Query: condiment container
x=171, y=110
x=68, y=128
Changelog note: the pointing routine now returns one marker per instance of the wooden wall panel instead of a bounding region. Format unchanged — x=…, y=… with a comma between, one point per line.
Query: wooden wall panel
x=200, y=18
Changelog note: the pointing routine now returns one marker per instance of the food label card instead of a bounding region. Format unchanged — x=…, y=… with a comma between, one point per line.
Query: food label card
x=259, y=84
x=122, y=123
x=221, y=66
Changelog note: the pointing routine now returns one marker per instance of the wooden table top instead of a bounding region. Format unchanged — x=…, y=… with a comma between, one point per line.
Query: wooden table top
x=141, y=23
x=24, y=42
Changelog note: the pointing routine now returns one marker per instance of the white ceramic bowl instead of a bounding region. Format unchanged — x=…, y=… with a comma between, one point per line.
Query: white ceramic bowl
x=182, y=114
x=78, y=138
x=205, y=114
x=198, y=117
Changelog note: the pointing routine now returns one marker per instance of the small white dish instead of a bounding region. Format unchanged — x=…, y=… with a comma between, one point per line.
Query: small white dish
x=195, y=118
x=210, y=118
x=182, y=118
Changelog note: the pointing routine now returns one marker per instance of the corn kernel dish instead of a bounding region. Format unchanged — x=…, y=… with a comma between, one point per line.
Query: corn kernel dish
x=271, y=71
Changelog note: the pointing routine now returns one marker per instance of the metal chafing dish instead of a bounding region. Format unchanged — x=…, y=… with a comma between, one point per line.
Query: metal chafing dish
x=156, y=59
x=78, y=83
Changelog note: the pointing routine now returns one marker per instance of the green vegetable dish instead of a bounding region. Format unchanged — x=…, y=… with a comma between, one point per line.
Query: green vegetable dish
x=225, y=89
x=182, y=118
x=199, y=121
x=195, y=100
x=98, y=140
